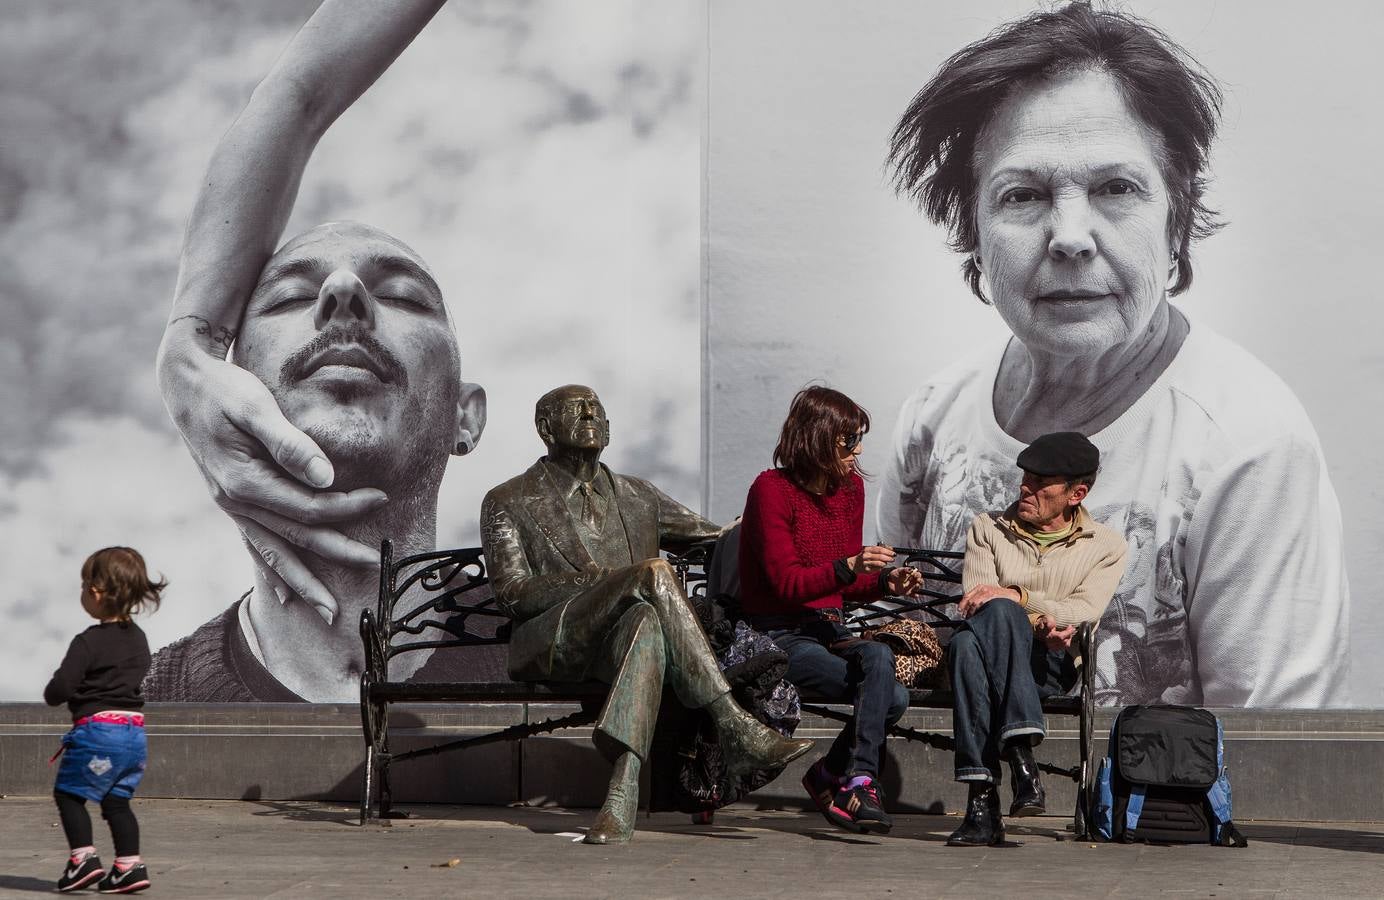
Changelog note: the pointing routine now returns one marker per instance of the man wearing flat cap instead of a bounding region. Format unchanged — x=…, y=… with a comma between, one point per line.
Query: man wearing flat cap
x=1033, y=573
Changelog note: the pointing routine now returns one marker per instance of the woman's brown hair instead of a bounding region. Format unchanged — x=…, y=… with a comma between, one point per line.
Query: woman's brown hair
x=807, y=451
x=120, y=576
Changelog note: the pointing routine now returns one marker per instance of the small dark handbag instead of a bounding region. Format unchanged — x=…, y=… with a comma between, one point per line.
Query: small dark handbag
x=917, y=651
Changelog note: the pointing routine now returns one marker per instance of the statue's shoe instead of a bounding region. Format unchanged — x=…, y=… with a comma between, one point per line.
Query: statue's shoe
x=750, y=745
x=615, y=822
x=610, y=827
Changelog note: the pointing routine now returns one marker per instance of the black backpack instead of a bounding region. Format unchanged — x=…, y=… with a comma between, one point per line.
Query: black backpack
x=1164, y=780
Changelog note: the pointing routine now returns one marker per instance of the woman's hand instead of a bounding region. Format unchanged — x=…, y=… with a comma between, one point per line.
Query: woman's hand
x=870, y=559
x=904, y=581
x=259, y=467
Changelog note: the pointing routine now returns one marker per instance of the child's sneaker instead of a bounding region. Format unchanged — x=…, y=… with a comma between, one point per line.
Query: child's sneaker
x=80, y=874
x=858, y=809
x=125, y=881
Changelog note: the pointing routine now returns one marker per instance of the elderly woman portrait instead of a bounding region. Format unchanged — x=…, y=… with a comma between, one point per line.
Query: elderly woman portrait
x=1066, y=155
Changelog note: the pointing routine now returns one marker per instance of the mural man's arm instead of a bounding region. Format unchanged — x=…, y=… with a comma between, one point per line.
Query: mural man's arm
x=260, y=468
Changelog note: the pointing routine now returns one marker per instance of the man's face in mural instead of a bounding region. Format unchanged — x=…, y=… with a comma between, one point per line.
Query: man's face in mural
x=348, y=330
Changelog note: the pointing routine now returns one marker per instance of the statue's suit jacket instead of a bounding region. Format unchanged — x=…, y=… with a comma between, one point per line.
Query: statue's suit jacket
x=538, y=564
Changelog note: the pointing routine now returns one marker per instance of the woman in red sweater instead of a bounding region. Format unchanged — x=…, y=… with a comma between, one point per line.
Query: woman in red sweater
x=801, y=554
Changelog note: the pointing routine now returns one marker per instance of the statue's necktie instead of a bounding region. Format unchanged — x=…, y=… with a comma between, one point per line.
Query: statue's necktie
x=590, y=512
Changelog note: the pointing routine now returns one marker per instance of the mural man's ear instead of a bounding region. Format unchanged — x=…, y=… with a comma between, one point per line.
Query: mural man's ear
x=470, y=418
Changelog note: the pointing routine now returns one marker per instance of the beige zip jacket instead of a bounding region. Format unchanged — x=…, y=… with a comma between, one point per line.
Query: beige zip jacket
x=1070, y=581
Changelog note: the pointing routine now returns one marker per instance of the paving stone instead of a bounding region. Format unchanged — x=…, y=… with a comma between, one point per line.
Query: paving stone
x=198, y=848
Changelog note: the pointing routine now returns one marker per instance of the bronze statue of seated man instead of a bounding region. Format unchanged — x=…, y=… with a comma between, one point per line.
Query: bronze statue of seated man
x=572, y=551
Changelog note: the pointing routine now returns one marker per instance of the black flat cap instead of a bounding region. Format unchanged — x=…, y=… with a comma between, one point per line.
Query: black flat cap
x=1066, y=453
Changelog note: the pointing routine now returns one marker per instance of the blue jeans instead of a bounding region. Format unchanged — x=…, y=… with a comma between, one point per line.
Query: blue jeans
x=861, y=674
x=999, y=676
x=100, y=759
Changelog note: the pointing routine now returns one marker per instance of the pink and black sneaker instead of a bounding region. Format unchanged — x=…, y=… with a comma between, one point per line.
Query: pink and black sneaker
x=857, y=808
x=80, y=873
x=125, y=881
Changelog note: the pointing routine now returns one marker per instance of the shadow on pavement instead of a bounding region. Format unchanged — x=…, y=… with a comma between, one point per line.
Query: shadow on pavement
x=833, y=837
x=300, y=812
x=1307, y=836
x=20, y=883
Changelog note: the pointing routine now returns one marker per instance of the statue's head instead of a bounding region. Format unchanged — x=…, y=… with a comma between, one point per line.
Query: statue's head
x=571, y=418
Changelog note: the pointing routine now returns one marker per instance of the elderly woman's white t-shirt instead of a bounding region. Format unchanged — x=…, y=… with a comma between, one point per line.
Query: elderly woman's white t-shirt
x=1235, y=593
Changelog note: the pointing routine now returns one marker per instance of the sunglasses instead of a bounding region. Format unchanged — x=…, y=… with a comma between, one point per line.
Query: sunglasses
x=850, y=442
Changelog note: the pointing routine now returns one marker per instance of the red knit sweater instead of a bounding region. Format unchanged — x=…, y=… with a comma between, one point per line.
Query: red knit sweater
x=790, y=540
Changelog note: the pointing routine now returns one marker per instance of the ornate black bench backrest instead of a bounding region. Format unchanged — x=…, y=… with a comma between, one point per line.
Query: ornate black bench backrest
x=453, y=600
x=942, y=566
x=451, y=597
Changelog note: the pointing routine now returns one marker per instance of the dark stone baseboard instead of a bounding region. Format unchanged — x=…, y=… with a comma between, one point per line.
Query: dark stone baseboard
x=1288, y=765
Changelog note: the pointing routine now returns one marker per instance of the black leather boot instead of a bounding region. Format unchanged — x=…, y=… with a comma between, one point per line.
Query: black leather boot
x=1029, y=797
x=982, y=826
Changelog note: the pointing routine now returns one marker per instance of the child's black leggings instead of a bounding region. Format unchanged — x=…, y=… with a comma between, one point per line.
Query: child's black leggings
x=115, y=810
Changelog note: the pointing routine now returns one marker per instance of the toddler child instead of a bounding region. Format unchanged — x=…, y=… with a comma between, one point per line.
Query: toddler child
x=103, y=755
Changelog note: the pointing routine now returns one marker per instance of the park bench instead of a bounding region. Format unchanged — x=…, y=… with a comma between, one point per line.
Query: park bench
x=447, y=590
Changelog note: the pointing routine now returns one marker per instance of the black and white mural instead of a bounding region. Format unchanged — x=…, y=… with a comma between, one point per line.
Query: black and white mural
x=689, y=207
x=1231, y=415
x=538, y=162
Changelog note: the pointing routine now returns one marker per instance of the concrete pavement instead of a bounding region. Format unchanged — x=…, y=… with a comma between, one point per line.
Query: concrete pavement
x=306, y=849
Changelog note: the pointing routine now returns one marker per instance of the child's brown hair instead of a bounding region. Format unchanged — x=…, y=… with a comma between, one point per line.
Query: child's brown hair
x=119, y=575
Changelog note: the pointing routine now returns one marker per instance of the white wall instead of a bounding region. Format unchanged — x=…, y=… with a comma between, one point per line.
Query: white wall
x=816, y=271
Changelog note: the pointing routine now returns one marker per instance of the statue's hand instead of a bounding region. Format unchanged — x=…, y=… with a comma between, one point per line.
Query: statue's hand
x=256, y=465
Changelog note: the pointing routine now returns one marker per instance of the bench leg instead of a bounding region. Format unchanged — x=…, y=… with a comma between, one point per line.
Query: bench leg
x=1085, y=789
x=375, y=726
x=368, y=786
x=386, y=796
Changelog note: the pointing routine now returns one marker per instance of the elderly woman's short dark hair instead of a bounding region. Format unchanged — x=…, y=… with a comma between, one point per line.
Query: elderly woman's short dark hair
x=933, y=147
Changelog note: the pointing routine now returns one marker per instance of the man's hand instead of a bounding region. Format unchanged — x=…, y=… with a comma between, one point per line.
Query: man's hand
x=1057, y=638
x=250, y=456
x=870, y=559
x=981, y=594
x=904, y=581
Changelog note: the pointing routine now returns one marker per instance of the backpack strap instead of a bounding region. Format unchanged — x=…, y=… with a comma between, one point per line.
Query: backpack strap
x=1133, y=809
x=1224, y=833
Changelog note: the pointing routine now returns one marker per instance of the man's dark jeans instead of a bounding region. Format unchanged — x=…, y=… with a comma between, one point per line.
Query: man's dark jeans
x=861, y=673
x=1000, y=674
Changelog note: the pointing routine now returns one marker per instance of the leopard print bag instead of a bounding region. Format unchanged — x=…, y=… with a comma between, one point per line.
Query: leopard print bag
x=917, y=652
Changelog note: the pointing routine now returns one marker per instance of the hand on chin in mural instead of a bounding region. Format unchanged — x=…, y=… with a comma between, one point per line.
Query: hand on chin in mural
x=262, y=471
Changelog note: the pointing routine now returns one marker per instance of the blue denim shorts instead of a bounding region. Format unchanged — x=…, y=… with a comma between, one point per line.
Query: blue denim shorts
x=102, y=759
